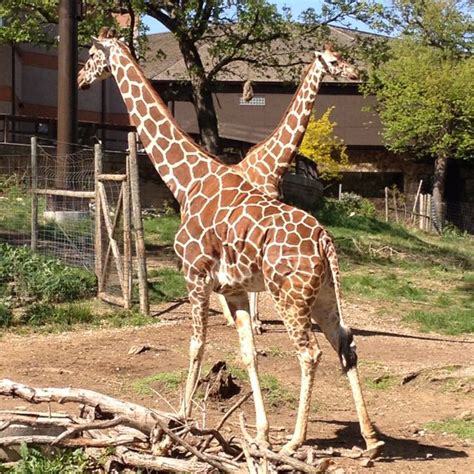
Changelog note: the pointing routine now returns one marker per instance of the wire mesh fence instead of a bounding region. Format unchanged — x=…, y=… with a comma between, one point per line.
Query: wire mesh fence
x=33, y=214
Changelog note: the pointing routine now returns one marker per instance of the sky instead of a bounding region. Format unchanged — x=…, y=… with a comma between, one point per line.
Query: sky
x=297, y=6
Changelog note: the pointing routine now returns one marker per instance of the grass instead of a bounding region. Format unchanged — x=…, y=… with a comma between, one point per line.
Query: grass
x=462, y=428
x=170, y=381
x=161, y=230
x=382, y=382
x=48, y=318
x=60, y=461
x=452, y=321
x=390, y=286
x=274, y=392
x=166, y=284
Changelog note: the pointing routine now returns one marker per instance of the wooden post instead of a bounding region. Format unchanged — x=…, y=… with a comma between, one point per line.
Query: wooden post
x=395, y=204
x=428, y=213
x=34, y=195
x=386, y=204
x=340, y=191
x=98, y=224
x=421, y=211
x=138, y=225
x=416, y=200
x=127, y=249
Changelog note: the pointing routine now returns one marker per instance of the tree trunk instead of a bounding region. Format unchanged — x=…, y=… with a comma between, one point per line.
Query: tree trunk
x=202, y=97
x=440, y=168
x=206, y=116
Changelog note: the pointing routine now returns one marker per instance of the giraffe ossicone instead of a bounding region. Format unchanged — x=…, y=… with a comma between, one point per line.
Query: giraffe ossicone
x=234, y=239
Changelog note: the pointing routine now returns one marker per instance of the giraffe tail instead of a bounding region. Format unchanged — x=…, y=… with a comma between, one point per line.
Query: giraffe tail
x=344, y=340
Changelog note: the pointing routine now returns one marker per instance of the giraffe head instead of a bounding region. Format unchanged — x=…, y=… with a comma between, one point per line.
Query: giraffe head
x=97, y=66
x=334, y=65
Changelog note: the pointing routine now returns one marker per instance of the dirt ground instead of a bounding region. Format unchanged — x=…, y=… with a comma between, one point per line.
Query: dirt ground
x=442, y=386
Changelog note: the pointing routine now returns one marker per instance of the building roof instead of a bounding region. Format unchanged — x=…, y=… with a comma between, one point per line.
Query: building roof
x=163, y=61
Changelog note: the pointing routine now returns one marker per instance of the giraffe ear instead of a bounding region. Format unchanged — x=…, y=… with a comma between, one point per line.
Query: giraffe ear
x=96, y=42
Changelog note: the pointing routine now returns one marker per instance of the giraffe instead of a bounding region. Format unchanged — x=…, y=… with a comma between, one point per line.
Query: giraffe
x=234, y=239
x=266, y=163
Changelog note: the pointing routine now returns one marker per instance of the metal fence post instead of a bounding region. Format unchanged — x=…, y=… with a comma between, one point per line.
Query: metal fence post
x=34, y=194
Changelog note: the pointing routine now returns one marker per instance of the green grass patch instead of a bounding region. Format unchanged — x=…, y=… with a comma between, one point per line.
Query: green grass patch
x=49, y=318
x=127, y=318
x=274, y=392
x=170, y=381
x=381, y=382
x=6, y=316
x=166, y=284
x=47, y=315
x=35, y=277
x=383, y=286
x=452, y=321
x=161, y=230
x=462, y=428
x=61, y=461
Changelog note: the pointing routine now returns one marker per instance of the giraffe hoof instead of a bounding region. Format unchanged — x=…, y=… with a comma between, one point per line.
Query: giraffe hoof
x=258, y=329
x=289, y=449
x=374, y=450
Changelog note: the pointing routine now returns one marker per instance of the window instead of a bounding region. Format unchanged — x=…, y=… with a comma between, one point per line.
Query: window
x=257, y=101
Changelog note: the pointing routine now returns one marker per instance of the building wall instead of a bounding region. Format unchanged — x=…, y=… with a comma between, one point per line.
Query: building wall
x=253, y=123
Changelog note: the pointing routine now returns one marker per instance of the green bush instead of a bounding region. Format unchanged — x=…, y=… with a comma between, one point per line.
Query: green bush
x=65, y=461
x=41, y=314
x=6, y=315
x=43, y=278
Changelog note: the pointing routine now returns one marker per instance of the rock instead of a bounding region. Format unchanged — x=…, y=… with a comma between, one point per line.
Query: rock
x=367, y=463
x=135, y=350
x=466, y=415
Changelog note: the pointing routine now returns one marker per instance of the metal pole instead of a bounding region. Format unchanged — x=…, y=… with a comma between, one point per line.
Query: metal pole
x=98, y=224
x=34, y=195
x=67, y=87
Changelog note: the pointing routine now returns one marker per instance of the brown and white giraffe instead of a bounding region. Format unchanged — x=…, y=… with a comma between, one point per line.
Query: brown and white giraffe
x=267, y=162
x=234, y=239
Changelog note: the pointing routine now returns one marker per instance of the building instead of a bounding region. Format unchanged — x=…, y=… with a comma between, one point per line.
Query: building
x=28, y=91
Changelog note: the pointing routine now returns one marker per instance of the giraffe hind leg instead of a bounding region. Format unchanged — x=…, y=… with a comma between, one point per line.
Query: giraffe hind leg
x=327, y=316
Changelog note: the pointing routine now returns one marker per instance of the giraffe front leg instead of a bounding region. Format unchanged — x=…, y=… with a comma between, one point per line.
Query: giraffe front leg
x=309, y=355
x=199, y=298
x=239, y=307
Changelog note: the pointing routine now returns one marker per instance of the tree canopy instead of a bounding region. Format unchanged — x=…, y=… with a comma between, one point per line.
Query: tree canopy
x=425, y=88
x=251, y=31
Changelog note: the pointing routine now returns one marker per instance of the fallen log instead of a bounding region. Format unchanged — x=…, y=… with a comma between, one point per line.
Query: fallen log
x=141, y=418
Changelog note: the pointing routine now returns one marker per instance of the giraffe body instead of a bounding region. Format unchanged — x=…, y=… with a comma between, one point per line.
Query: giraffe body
x=234, y=239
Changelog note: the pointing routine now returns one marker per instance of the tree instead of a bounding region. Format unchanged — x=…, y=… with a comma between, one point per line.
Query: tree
x=425, y=88
x=323, y=147
x=250, y=31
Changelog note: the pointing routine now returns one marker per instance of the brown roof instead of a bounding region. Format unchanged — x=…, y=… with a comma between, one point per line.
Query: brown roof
x=164, y=62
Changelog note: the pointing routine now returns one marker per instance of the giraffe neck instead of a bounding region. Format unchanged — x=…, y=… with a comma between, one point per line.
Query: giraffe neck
x=178, y=160
x=267, y=162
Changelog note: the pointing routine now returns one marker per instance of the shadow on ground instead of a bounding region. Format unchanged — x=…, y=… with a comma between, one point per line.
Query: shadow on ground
x=348, y=435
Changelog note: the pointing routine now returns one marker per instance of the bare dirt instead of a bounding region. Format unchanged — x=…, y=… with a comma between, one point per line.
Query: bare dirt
x=442, y=388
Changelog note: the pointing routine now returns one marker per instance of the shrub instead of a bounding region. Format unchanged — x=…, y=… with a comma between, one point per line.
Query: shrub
x=43, y=278
x=41, y=314
x=64, y=461
x=352, y=203
x=6, y=315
